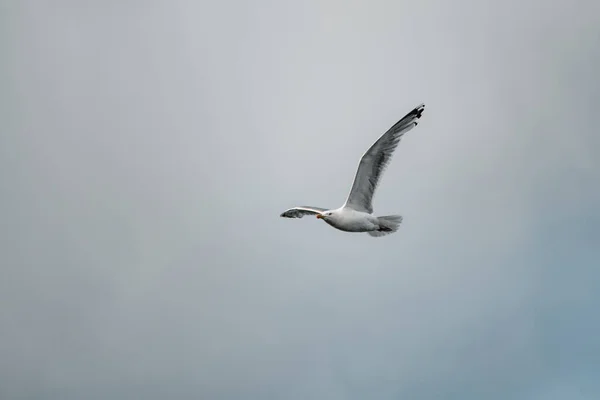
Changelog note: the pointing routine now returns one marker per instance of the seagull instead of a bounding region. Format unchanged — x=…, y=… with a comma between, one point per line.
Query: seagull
x=356, y=215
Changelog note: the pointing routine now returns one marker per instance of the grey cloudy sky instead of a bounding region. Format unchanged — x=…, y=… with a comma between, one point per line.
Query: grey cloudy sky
x=147, y=149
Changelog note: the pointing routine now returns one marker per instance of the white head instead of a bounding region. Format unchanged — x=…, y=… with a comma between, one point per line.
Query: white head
x=325, y=215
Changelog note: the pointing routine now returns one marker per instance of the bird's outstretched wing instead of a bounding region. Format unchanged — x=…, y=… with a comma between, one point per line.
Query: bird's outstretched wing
x=373, y=162
x=299, y=212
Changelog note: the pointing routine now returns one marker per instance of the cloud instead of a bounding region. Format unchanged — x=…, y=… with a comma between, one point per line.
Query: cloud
x=148, y=152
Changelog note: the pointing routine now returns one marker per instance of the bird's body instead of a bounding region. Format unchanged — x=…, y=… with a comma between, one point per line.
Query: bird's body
x=348, y=220
x=356, y=215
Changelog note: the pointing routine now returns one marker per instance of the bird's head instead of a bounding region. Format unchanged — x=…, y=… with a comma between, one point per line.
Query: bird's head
x=324, y=215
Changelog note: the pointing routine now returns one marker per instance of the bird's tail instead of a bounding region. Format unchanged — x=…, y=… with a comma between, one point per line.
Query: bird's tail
x=387, y=224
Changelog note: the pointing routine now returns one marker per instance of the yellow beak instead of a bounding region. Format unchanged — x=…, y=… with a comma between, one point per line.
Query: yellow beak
x=320, y=216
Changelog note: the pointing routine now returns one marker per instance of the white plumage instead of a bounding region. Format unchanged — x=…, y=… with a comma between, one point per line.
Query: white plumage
x=356, y=215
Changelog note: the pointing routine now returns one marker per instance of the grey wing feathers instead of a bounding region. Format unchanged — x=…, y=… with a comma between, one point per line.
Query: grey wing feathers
x=299, y=212
x=376, y=159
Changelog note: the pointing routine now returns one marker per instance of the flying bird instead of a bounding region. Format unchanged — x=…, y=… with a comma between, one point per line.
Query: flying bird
x=356, y=215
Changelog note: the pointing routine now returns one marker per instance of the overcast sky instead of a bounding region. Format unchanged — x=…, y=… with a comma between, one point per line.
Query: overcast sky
x=147, y=149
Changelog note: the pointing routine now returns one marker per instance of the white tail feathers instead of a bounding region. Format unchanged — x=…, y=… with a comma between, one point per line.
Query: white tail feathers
x=387, y=224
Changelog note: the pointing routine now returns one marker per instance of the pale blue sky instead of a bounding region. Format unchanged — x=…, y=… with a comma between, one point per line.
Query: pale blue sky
x=148, y=148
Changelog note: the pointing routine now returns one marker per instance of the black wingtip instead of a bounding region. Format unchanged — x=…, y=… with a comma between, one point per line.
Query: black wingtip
x=415, y=113
x=419, y=110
